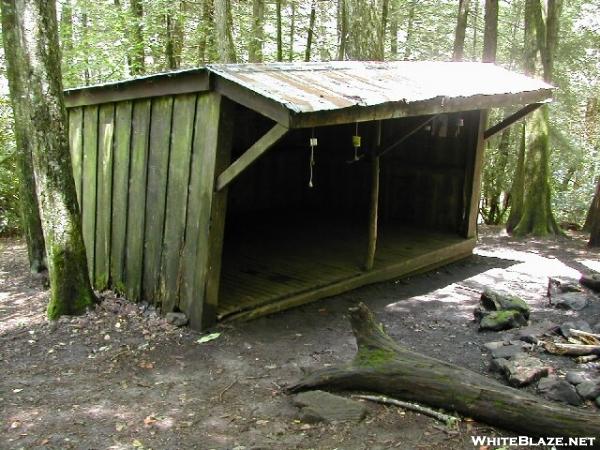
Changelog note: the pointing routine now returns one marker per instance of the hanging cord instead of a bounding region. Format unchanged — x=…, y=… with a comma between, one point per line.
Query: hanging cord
x=313, y=144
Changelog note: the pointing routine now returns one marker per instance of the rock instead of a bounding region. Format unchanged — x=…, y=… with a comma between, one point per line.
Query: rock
x=520, y=371
x=502, y=320
x=321, y=406
x=591, y=281
x=598, y=401
x=493, y=345
x=559, y=390
x=575, y=301
x=577, y=377
x=507, y=351
x=497, y=301
x=533, y=333
x=177, y=318
x=589, y=390
x=581, y=325
x=499, y=365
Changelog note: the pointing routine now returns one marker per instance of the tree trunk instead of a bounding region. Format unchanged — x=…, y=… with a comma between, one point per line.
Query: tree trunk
x=384, y=366
x=517, y=191
x=538, y=218
x=311, y=28
x=32, y=54
x=174, y=45
x=206, y=27
x=382, y=29
x=592, y=222
x=343, y=29
x=224, y=32
x=279, y=30
x=409, y=29
x=461, y=29
x=292, y=30
x=394, y=29
x=66, y=31
x=137, y=46
x=255, y=53
x=490, y=34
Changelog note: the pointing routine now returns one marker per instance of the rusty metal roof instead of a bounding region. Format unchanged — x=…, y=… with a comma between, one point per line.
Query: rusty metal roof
x=409, y=88
x=322, y=93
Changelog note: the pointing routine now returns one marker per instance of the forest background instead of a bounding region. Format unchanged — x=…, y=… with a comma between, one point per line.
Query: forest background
x=111, y=40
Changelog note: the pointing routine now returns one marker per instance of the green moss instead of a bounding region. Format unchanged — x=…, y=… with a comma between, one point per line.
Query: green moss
x=373, y=358
x=120, y=288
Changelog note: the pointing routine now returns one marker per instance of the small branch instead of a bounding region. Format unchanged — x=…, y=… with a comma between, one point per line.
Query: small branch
x=446, y=418
x=226, y=389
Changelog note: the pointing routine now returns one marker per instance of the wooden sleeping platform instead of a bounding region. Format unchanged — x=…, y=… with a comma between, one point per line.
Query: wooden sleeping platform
x=272, y=265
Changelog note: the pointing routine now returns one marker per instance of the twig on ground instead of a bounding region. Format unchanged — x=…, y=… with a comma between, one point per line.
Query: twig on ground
x=226, y=389
x=446, y=418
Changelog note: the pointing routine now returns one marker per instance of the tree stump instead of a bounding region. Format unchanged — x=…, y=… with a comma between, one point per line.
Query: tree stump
x=382, y=365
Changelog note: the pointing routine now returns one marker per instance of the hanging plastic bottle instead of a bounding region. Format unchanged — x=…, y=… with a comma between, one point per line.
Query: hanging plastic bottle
x=356, y=143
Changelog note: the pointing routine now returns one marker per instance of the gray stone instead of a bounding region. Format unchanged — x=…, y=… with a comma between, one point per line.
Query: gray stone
x=177, y=318
x=532, y=333
x=501, y=301
x=559, y=390
x=502, y=320
x=320, y=406
x=577, y=377
x=575, y=301
x=580, y=325
x=589, y=390
x=522, y=371
x=493, y=345
x=507, y=352
x=591, y=281
x=499, y=365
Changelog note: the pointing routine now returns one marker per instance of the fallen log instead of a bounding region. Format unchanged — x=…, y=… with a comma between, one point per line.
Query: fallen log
x=381, y=365
x=557, y=348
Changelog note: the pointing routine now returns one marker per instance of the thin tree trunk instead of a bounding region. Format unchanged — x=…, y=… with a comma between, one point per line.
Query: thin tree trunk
x=255, y=53
x=475, y=26
x=224, y=32
x=461, y=29
x=86, y=43
x=66, y=31
x=394, y=29
x=343, y=28
x=311, y=28
x=382, y=29
x=137, y=46
x=279, y=31
x=32, y=54
x=206, y=28
x=517, y=191
x=292, y=30
x=28, y=202
x=490, y=35
x=409, y=29
x=592, y=221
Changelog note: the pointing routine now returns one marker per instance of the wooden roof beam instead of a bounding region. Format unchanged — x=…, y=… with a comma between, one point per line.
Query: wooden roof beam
x=269, y=139
x=510, y=120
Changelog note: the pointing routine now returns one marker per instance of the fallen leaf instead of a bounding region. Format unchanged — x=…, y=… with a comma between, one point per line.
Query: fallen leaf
x=16, y=391
x=137, y=444
x=120, y=426
x=150, y=420
x=208, y=338
x=146, y=365
x=262, y=422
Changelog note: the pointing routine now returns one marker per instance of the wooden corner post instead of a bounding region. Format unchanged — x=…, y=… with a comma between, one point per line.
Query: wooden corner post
x=473, y=167
x=374, y=207
x=211, y=155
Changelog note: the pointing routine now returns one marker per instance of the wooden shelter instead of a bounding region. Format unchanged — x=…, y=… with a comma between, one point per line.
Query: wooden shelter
x=236, y=190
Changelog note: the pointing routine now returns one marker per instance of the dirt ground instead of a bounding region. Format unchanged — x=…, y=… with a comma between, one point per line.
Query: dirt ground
x=122, y=378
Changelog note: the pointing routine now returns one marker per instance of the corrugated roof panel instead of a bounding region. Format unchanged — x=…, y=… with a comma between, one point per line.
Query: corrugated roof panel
x=313, y=87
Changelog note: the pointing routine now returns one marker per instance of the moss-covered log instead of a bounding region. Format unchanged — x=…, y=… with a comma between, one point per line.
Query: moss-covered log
x=32, y=54
x=382, y=365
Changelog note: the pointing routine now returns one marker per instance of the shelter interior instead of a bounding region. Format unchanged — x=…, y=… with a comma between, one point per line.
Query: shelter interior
x=286, y=241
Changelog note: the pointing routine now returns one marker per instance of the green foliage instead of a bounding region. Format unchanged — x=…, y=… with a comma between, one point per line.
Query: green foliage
x=9, y=198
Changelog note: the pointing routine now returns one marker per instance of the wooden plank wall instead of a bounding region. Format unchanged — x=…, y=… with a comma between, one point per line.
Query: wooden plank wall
x=132, y=163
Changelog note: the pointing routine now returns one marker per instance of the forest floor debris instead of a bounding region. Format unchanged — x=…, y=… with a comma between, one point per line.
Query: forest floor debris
x=122, y=377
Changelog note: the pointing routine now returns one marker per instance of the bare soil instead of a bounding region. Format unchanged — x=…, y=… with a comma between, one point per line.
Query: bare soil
x=120, y=377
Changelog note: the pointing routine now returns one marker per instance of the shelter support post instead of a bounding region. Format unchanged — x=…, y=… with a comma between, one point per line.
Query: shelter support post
x=251, y=155
x=374, y=209
x=214, y=137
x=510, y=120
x=473, y=166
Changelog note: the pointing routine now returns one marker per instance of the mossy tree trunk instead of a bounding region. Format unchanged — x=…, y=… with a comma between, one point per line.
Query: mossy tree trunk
x=461, y=30
x=32, y=54
x=537, y=217
x=518, y=186
x=257, y=37
x=137, y=64
x=382, y=365
x=592, y=222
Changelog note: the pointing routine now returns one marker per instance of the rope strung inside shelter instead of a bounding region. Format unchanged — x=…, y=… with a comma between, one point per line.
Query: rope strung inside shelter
x=313, y=143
